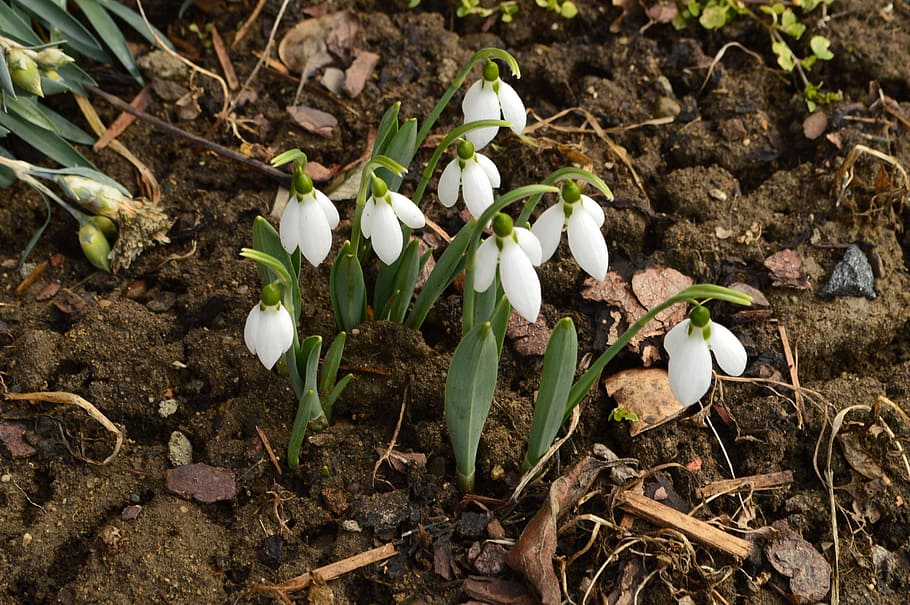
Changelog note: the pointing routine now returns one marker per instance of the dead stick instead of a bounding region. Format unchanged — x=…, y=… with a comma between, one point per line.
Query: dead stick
x=332, y=570
x=282, y=177
x=753, y=482
x=793, y=365
x=703, y=533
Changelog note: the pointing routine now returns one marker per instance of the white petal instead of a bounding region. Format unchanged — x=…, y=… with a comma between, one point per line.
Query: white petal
x=449, y=182
x=490, y=168
x=485, y=260
x=366, y=218
x=480, y=103
x=594, y=209
x=588, y=245
x=729, y=352
x=676, y=337
x=289, y=227
x=407, y=211
x=548, y=229
x=530, y=245
x=519, y=280
x=513, y=109
x=328, y=208
x=690, y=370
x=316, y=234
x=476, y=188
x=387, y=237
x=251, y=329
x=276, y=333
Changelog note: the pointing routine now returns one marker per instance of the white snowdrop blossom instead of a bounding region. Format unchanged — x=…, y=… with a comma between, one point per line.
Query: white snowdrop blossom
x=582, y=217
x=380, y=219
x=269, y=330
x=492, y=99
x=474, y=174
x=690, y=344
x=308, y=220
x=515, y=251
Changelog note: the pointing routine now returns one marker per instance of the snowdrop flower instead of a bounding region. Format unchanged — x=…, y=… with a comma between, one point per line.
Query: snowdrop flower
x=269, y=330
x=380, y=218
x=582, y=217
x=308, y=220
x=690, y=344
x=475, y=174
x=489, y=99
x=516, y=252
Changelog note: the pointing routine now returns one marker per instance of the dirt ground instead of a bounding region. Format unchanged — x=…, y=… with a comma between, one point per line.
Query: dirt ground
x=714, y=176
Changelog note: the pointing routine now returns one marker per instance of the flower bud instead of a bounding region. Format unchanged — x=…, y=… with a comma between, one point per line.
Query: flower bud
x=302, y=183
x=465, y=149
x=106, y=225
x=23, y=71
x=503, y=225
x=93, y=196
x=491, y=71
x=95, y=246
x=380, y=189
x=53, y=58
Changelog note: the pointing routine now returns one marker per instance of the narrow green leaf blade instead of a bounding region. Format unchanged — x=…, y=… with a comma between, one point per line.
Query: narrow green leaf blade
x=135, y=21
x=67, y=129
x=48, y=143
x=559, y=363
x=28, y=109
x=6, y=82
x=470, y=386
x=347, y=289
x=111, y=34
x=331, y=363
x=266, y=239
x=401, y=149
x=447, y=267
x=405, y=281
x=11, y=24
x=74, y=32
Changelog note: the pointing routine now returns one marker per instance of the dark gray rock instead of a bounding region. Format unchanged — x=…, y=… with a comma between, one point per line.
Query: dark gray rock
x=851, y=277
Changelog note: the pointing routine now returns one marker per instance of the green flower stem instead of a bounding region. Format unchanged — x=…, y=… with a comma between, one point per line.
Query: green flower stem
x=590, y=378
x=484, y=54
x=275, y=265
x=453, y=136
x=561, y=175
x=380, y=161
x=468, y=294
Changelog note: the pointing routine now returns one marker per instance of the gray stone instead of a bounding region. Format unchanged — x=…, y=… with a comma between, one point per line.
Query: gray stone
x=851, y=277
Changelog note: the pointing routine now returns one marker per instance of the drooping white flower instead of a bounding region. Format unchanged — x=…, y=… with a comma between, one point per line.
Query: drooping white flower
x=308, y=220
x=269, y=329
x=492, y=99
x=474, y=174
x=690, y=344
x=380, y=219
x=582, y=217
x=515, y=251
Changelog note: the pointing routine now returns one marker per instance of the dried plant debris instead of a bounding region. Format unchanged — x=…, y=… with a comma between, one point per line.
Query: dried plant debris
x=852, y=276
x=786, y=269
x=645, y=392
x=794, y=557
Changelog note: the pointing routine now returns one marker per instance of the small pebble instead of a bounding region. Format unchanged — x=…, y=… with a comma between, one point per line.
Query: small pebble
x=179, y=449
x=851, y=277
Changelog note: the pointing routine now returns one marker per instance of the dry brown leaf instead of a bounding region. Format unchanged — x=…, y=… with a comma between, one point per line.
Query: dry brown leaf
x=646, y=392
x=312, y=119
x=532, y=555
x=305, y=48
x=663, y=12
x=654, y=285
x=786, y=269
x=356, y=76
x=809, y=572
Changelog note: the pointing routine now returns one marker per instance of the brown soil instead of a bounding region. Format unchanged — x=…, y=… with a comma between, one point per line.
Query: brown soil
x=726, y=184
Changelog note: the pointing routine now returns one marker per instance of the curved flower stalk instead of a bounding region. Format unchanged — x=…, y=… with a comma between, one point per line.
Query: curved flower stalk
x=380, y=220
x=582, y=217
x=515, y=251
x=308, y=219
x=474, y=174
x=690, y=344
x=269, y=329
x=488, y=99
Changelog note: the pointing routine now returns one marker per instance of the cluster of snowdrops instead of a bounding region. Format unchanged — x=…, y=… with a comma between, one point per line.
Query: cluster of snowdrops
x=499, y=273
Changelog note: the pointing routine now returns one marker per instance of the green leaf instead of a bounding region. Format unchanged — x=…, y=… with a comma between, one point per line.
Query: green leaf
x=401, y=149
x=790, y=25
x=470, y=385
x=7, y=176
x=6, y=82
x=48, y=143
x=75, y=33
x=11, y=24
x=387, y=128
x=267, y=240
x=568, y=10
x=559, y=363
x=785, y=56
x=405, y=281
x=331, y=364
x=713, y=17
x=500, y=321
x=135, y=21
x=447, y=267
x=111, y=34
x=347, y=289
x=819, y=46
x=67, y=129
x=27, y=108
